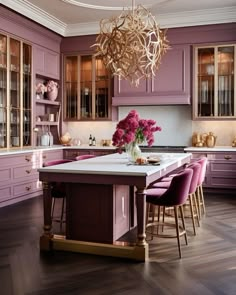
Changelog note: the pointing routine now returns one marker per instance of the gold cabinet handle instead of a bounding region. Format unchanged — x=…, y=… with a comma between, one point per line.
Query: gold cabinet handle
x=28, y=171
x=28, y=159
x=28, y=188
x=44, y=157
x=227, y=157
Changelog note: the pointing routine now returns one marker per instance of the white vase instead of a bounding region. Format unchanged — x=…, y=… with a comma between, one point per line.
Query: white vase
x=133, y=151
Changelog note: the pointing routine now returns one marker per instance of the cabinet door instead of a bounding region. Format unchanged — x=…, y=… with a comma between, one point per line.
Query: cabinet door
x=3, y=91
x=14, y=97
x=27, y=95
x=87, y=89
x=170, y=85
x=46, y=62
x=214, y=82
x=15, y=93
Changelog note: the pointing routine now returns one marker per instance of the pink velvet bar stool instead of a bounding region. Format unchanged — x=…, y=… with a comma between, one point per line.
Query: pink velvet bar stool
x=192, y=197
x=57, y=191
x=174, y=196
x=200, y=196
x=84, y=157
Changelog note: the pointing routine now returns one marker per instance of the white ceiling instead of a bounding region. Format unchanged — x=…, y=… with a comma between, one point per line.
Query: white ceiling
x=75, y=17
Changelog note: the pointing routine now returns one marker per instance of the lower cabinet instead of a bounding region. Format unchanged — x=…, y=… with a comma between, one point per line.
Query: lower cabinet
x=97, y=213
x=72, y=153
x=19, y=178
x=221, y=169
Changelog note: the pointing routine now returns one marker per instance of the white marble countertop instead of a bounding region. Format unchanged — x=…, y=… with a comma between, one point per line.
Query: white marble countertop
x=14, y=151
x=117, y=164
x=213, y=149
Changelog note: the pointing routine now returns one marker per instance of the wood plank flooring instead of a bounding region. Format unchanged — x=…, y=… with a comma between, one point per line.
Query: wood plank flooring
x=208, y=266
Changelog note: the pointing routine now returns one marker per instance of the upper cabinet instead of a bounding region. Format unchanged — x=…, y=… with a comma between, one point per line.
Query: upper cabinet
x=15, y=93
x=87, y=89
x=170, y=85
x=46, y=62
x=214, y=82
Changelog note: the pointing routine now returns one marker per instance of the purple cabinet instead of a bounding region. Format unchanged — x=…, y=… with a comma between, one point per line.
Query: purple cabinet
x=46, y=62
x=19, y=178
x=171, y=85
x=221, y=170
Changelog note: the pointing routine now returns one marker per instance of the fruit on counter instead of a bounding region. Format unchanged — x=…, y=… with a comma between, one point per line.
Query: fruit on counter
x=141, y=160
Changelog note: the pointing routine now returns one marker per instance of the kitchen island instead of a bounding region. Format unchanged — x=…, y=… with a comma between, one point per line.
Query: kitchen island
x=102, y=185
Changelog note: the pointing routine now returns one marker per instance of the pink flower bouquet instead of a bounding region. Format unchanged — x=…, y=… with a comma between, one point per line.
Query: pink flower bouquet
x=133, y=129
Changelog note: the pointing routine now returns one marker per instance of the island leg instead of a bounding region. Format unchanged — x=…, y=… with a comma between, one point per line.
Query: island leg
x=141, y=216
x=45, y=239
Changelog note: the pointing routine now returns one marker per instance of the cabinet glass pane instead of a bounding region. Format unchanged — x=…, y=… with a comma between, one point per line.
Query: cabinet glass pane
x=86, y=87
x=206, y=84
x=101, y=90
x=27, y=95
x=3, y=51
x=15, y=127
x=71, y=87
x=3, y=127
x=14, y=73
x=225, y=60
x=3, y=72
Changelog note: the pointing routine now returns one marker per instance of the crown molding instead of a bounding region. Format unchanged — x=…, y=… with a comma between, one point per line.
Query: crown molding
x=170, y=20
x=197, y=17
x=36, y=14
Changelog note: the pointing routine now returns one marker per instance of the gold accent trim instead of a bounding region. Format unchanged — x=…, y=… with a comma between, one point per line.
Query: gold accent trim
x=118, y=249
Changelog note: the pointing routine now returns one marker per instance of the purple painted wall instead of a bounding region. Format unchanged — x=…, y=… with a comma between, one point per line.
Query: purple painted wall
x=21, y=27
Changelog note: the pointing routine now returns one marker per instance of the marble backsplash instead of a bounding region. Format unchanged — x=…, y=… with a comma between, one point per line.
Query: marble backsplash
x=177, y=126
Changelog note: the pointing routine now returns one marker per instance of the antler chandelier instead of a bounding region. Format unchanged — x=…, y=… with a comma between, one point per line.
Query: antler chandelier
x=132, y=44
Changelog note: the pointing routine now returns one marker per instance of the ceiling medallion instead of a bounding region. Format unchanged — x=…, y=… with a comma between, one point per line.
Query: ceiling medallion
x=132, y=44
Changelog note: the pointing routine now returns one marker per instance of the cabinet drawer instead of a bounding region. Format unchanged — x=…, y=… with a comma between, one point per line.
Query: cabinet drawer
x=5, y=175
x=222, y=157
x=25, y=171
x=5, y=193
x=14, y=160
x=52, y=155
x=219, y=181
x=223, y=167
x=26, y=187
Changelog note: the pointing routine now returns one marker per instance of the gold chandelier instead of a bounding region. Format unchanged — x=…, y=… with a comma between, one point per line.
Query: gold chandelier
x=132, y=44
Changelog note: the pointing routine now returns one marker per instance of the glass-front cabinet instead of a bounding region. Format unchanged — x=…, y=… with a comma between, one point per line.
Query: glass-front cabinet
x=15, y=93
x=214, y=82
x=86, y=89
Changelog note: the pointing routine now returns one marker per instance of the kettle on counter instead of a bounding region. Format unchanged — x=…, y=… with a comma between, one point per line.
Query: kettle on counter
x=211, y=139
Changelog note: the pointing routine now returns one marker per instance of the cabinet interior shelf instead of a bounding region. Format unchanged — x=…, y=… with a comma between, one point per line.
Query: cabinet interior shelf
x=49, y=102
x=46, y=123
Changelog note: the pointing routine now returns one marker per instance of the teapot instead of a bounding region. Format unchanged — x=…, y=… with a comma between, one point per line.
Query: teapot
x=211, y=139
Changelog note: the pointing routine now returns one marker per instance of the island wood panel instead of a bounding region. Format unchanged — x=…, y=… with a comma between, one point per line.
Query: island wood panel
x=97, y=213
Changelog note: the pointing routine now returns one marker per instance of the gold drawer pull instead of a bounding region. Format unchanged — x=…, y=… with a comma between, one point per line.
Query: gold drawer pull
x=28, y=188
x=227, y=157
x=28, y=171
x=28, y=159
x=44, y=157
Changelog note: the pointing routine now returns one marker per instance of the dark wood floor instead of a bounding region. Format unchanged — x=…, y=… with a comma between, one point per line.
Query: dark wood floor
x=208, y=265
